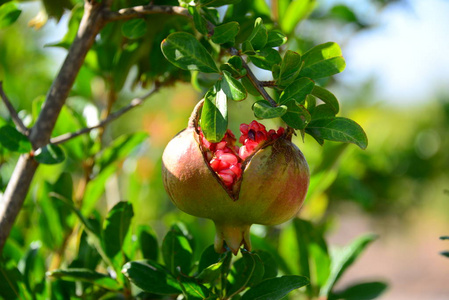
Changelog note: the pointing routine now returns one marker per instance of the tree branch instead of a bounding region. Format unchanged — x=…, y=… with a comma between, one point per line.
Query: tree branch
x=254, y=81
x=143, y=10
x=20, y=181
x=135, y=102
x=268, y=83
x=14, y=116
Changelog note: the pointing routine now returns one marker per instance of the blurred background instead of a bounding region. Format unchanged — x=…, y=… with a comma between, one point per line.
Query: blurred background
x=396, y=85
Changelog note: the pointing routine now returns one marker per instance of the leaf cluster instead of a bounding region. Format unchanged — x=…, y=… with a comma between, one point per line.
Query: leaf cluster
x=115, y=258
x=296, y=95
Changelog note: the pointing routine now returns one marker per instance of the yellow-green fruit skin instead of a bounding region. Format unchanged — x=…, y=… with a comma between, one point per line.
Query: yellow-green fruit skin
x=271, y=190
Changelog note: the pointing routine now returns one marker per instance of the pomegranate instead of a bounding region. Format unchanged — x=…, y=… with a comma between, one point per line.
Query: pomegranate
x=263, y=182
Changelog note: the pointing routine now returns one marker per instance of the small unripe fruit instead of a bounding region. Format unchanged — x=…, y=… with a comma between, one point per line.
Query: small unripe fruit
x=263, y=182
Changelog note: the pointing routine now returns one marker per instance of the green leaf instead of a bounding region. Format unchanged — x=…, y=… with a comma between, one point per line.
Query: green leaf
x=32, y=267
x=49, y=154
x=275, y=39
x=323, y=111
x=148, y=243
x=116, y=227
x=296, y=116
x=233, y=88
x=344, y=13
x=338, y=129
x=119, y=149
x=13, y=140
x=289, y=68
x=327, y=97
x=177, y=252
x=208, y=258
x=55, y=9
x=9, y=13
x=361, y=291
x=322, y=61
x=72, y=28
x=314, y=261
x=310, y=103
x=297, y=90
x=192, y=288
x=226, y=33
x=275, y=71
x=263, y=110
x=249, y=86
x=86, y=275
x=186, y=52
x=210, y=273
x=55, y=216
x=444, y=238
x=259, y=35
x=266, y=58
x=10, y=278
x=217, y=3
x=275, y=288
x=151, y=277
x=214, y=115
x=198, y=20
x=234, y=66
x=269, y=263
x=95, y=189
x=210, y=14
x=245, y=272
x=134, y=29
x=247, y=48
x=344, y=258
x=445, y=253
x=296, y=11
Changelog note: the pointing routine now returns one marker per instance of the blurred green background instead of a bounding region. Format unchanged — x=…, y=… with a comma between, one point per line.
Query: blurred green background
x=395, y=86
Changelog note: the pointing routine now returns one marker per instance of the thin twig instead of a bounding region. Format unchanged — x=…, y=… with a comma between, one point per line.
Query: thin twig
x=143, y=10
x=14, y=116
x=254, y=81
x=270, y=83
x=135, y=102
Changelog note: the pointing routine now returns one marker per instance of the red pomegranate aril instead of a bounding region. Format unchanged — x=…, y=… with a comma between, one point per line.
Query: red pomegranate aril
x=229, y=158
x=236, y=169
x=227, y=179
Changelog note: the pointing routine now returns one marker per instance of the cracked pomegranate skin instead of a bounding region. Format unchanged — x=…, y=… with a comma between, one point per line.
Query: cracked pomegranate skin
x=271, y=190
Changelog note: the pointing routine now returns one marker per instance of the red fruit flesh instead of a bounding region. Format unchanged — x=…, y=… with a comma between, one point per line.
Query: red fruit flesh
x=225, y=157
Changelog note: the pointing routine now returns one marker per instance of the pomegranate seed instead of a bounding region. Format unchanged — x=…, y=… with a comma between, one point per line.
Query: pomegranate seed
x=224, y=156
x=229, y=158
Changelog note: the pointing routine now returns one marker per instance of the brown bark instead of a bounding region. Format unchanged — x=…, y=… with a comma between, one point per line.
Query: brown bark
x=40, y=133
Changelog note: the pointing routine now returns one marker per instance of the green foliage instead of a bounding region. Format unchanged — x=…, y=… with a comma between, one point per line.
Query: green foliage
x=253, y=275
x=9, y=13
x=49, y=154
x=369, y=290
x=116, y=227
x=13, y=140
x=275, y=288
x=134, y=29
x=226, y=33
x=322, y=61
x=214, y=114
x=293, y=74
x=232, y=87
x=79, y=249
x=263, y=110
x=185, y=52
x=338, y=129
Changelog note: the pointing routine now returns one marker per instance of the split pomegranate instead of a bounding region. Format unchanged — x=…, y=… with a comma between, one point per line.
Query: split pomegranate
x=264, y=181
